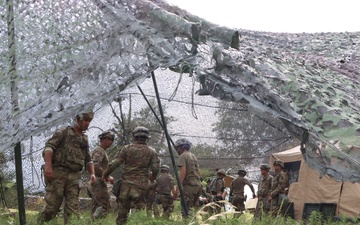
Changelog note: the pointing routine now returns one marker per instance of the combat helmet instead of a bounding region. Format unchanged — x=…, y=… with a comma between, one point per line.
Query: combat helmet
x=279, y=163
x=107, y=134
x=242, y=172
x=265, y=167
x=164, y=168
x=141, y=132
x=222, y=172
x=183, y=142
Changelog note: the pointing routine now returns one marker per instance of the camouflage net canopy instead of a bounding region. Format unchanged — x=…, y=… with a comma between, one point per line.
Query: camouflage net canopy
x=74, y=54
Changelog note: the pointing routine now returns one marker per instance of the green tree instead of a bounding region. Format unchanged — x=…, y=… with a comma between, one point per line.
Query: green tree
x=244, y=134
x=127, y=122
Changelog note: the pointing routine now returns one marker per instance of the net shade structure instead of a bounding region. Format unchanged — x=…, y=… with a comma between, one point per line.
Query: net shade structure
x=74, y=55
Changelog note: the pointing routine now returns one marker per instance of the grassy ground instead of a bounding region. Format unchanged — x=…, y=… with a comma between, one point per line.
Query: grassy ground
x=200, y=218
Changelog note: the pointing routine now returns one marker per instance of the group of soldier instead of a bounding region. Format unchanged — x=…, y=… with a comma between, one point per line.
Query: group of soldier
x=67, y=152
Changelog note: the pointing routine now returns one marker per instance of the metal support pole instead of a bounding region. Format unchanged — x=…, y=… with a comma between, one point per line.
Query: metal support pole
x=15, y=107
x=183, y=202
x=20, y=184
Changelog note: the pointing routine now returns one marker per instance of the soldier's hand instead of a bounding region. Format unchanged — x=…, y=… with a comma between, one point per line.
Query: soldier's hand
x=48, y=172
x=92, y=179
x=110, y=180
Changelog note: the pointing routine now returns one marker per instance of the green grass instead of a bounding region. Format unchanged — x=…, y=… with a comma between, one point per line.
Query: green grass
x=200, y=218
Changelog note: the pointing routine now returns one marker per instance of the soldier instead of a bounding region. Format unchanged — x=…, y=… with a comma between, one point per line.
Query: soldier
x=189, y=174
x=137, y=159
x=100, y=193
x=164, y=188
x=65, y=155
x=217, y=189
x=150, y=198
x=278, y=185
x=263, y=205
x=237, y=191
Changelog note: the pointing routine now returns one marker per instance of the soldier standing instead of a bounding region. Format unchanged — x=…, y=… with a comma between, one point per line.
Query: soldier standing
x=278, y=185
x=137, y=159
x=164, y=188
x=237, y=191
x=217, y=189
x=263, y=205
x=189, y=174
x=65, y=155
x=100, y=193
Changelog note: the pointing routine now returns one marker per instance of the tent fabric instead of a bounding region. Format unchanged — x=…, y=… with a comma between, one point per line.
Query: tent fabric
x=311, y=188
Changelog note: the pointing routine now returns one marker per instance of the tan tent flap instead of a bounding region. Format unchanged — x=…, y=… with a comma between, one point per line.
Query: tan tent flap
x=350, y=200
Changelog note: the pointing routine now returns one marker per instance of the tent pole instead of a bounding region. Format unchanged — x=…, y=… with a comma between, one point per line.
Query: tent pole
x=183, y=203
x=15, y=107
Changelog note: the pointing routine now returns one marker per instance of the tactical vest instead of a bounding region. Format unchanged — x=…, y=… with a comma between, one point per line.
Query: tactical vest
x=213, y=185
x=71, y=151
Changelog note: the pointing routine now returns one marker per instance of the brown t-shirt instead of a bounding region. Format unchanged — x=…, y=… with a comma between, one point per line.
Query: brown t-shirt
x=189, y=160
x=100, y=159
x=237, y=186
x=164, y=184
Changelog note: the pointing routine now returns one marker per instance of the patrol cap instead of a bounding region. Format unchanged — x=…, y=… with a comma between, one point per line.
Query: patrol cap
x=185, y=143
x=141, y=132
x=265, y=167
x=279, y=163
x=221, y=171
x=107, y=134
x=165, y=168
x=242, y=171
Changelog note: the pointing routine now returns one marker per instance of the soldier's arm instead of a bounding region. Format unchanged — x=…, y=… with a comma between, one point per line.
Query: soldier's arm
x=172, y=186
x=279, y=187
x=251, y=188
x=120, y=158
x=97, y=158
x=48, y=152
x=231, y=189
x=219, y=187
x=155, y=165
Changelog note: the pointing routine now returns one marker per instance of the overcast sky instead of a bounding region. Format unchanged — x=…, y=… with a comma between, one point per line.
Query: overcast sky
x=278, y=15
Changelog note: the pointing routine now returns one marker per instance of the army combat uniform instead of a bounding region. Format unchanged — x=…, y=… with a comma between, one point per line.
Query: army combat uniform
x=137, y=159
x=70, y=155
x=150, y=200
x=192, y=187
x=164, y=187
x=217, y=188
x=100, y=193
x=278, y=185
x=237, y=191
x=263, y=193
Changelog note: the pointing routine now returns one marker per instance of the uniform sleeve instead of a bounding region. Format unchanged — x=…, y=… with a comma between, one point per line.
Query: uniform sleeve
x=280, y=186
x=97, y=157
x=182, y=161
x=219, y=185
x=171, y=183
x=54, y=141
x=120, y=158
x=87, y=152
x=231, y=188
x=155, y=164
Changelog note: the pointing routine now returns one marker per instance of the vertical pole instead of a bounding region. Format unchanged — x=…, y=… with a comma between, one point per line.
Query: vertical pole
x=183, y=203
x=15, y=107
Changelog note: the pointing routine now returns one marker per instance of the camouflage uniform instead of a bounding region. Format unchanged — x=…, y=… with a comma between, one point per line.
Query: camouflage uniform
x=164, y=186
x=70, y=155
x=150, y=201
x=237, y=192
x=100, y=193
x=192, y=187
x=278, y=185
x=217, y=188
x=137, y=159
x=263, y=193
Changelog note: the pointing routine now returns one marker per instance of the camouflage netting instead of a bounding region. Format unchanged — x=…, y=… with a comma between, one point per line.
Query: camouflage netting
x=74, y=54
